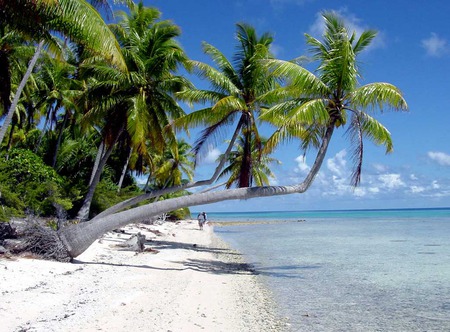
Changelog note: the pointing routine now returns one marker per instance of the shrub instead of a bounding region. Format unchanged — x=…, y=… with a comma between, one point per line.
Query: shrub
x=27, y=183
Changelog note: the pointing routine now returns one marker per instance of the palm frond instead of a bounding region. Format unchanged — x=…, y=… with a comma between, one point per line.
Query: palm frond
x=304, y=81
x=220, y=81
x=364, y=40
x=222, y=62
x=377, y=95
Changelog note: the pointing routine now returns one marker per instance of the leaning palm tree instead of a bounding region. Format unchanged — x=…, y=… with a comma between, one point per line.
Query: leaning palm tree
x=314, y=108
x=317, y=105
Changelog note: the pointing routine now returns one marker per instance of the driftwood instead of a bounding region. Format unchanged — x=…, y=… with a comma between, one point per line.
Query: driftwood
x=134, y=243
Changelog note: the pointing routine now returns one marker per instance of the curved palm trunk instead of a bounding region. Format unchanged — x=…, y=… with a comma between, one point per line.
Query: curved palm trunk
x=77, y=238
x=25, y=78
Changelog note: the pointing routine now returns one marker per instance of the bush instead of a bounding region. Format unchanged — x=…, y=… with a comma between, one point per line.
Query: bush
x=28, y=184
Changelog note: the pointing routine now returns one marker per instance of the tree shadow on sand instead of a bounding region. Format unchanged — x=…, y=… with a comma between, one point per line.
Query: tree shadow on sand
x=217, y=266
x=159, y=245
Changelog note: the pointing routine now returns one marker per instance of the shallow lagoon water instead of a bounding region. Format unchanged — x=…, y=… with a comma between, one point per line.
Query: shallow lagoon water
x=352, y=270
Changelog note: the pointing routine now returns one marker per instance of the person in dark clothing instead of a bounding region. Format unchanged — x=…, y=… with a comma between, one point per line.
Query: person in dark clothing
x=202, y=218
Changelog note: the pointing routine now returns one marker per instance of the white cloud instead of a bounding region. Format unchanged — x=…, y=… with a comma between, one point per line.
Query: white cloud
x=302, y=166
x=391, y=181
x=374, y=190
x=212, y=155
x=441, y=158
x=435, y=46
x=337, y=164
x=417, y=189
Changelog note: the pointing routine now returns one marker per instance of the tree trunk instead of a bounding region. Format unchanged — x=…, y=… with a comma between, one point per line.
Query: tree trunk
x=100, y=153
x=11, y=133
x=60, y=135
x=77, y=238
x=13, y=106
x=83, y=213
x=124, y=171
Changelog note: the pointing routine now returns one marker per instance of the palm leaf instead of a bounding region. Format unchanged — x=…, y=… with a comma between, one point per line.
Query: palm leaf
x=220, y=81
x=377, y=95
x=305, y=82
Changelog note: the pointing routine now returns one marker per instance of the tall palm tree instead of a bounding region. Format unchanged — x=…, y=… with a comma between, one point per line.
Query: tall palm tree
x=236, y=96
x=138, y=103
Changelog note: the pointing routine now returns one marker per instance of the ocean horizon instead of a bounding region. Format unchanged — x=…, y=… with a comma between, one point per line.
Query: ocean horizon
x=349, y=270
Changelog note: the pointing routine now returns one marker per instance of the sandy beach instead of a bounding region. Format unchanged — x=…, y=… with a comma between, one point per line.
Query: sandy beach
x=187, y=280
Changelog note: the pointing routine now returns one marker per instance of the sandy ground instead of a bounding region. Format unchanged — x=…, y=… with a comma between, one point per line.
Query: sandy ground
x=193, y=283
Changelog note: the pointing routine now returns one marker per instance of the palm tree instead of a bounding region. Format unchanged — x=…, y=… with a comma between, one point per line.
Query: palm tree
x=238, y=86
x=174, y=163
x=261, y=171
x=138, y=103
x=314, y=108
x=75, y=19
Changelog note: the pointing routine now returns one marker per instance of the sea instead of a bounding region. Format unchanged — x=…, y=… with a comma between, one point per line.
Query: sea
x=353, y=270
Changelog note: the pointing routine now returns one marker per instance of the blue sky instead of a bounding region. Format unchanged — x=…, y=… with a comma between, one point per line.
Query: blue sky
x=411, y=51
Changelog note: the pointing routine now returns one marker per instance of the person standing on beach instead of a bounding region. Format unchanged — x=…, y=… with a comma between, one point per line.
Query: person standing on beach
x=202, y=218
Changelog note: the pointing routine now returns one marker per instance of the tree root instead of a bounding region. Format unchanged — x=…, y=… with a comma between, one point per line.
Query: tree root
x=45, y=243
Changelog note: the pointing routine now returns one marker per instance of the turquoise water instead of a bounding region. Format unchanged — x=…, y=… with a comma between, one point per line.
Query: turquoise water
x=372, y=270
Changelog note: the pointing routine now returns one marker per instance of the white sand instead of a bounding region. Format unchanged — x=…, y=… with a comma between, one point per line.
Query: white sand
x=181, y=288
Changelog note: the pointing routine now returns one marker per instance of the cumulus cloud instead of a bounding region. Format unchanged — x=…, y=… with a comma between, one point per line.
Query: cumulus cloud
x=435, y=46
x=302, y=166
x=337, y=164
x=212, y=155
x=413, y=177
x=441, y=158
x=417, y=189
x=391, y=181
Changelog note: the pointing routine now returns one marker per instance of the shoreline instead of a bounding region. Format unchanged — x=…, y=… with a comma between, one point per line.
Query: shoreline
x=188, y=280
